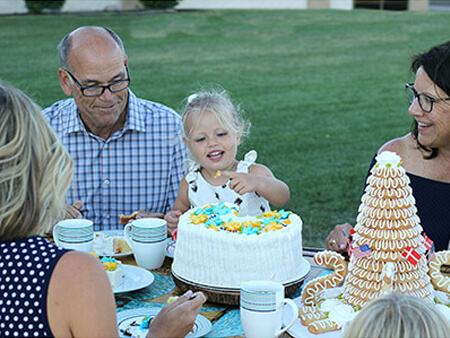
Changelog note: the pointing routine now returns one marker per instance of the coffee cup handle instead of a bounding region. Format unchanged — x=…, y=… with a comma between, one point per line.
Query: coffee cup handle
x=55, y=235
x=294, y=307
x=126, y=234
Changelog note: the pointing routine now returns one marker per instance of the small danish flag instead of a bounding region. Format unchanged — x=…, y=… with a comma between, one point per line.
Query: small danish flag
x=411, y=255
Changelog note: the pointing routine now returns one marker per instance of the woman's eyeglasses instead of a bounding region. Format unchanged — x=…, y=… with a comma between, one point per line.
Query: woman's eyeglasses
x=425, y=101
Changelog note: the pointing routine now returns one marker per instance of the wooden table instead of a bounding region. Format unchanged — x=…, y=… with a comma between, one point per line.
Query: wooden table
x=225, y=318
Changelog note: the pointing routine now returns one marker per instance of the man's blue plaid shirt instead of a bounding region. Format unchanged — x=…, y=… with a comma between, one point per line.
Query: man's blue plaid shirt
x=138, y=168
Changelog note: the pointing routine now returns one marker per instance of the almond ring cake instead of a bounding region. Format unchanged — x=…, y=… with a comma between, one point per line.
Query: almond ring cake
x=387, y=214
x=382, y=224
x=332, y=260
x=374, y=286
x=404, y=277
x=387, y=172
x=308, y=318
x=389, y=193
x=385, y=203
x=387, y=245
x=388, y=183
x=388, y=235
x=308, y=309
x=440, y=281
x=376, y=265
x=322, y=326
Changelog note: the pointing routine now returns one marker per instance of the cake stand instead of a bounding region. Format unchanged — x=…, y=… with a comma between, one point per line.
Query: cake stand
x=230, y=295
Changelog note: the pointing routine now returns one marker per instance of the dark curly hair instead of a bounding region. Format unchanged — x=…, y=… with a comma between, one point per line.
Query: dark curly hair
x=436, y=63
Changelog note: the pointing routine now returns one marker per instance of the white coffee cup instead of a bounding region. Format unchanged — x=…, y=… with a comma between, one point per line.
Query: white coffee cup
x=77, y=234
x=262, y=308
x=147, y=238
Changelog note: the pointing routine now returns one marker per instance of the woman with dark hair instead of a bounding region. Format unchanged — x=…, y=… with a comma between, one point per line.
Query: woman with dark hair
x=425, y=151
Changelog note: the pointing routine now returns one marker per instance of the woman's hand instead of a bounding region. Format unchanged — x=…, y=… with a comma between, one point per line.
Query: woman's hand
x=336, y=240
x=177, y=318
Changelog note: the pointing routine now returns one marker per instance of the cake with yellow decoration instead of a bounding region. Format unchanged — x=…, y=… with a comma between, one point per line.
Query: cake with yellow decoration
x=217, y=247
x=114, y=270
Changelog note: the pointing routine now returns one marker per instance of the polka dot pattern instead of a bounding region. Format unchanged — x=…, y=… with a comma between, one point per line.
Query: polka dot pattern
x=25, y=269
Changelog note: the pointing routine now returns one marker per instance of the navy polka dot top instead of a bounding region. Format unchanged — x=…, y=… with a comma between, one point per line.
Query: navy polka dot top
x=26, y=266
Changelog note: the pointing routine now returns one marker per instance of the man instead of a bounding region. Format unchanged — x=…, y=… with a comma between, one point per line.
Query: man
x=128, y=152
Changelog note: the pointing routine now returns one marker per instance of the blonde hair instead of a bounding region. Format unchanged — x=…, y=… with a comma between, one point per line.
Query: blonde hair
x=398, y=315
x=35, y=169
x=220, y=105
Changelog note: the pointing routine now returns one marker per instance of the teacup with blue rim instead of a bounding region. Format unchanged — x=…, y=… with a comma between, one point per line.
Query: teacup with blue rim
x=147, y=237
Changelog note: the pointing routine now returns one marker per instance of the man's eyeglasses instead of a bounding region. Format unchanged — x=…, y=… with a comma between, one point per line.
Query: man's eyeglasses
x=93, y=91
x=425, y=101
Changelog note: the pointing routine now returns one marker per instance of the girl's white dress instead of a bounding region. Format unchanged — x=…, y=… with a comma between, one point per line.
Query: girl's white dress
x=202, y=193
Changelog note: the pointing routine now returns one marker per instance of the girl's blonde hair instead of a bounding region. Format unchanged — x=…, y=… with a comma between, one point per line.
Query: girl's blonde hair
x=231, y=117
x=35, y=169
x=398, y=315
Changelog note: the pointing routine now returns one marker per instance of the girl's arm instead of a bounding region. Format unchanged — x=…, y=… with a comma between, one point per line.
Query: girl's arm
x=180, y=206
x=261, y=180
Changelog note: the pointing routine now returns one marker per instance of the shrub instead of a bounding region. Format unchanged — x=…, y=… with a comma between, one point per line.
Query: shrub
x=159, y=4
x=37, y=6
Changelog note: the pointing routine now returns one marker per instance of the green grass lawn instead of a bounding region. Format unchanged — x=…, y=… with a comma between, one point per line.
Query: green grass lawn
x=323, y=89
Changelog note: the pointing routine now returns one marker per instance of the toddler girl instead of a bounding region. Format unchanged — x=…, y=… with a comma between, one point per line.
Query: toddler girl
x=213, y=128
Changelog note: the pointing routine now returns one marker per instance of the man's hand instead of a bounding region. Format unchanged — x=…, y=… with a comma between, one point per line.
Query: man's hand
x=73, y=211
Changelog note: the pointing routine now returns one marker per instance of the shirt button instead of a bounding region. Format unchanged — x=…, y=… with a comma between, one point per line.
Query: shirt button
x=106, y=182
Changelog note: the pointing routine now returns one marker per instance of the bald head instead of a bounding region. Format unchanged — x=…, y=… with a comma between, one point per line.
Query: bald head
x=89, y=40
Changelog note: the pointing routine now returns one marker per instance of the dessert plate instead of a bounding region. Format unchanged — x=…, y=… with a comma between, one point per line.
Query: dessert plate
x=299, y=331
x=118, y=234
x=135, y=278
x=170, y=250
x=129, y=321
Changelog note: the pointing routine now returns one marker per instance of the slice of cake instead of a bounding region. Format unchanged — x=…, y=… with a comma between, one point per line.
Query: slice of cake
x=120, y=246
x=103, y=244
x=114, y=271
x=217, y=247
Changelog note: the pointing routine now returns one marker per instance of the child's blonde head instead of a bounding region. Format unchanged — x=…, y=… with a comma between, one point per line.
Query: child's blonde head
x=398, y=315
x=220, y=105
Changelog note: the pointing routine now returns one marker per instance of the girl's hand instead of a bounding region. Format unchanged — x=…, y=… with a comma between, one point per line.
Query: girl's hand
x=242, y=183
x=172, y=218
x=260, y=180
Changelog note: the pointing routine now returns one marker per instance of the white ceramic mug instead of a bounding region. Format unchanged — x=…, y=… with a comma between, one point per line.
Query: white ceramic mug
x=147, y=238
x=77, y=234
x=262, y=309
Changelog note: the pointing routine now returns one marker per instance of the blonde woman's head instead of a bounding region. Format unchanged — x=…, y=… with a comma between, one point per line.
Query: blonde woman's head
x=398, y=315
x=35, y=169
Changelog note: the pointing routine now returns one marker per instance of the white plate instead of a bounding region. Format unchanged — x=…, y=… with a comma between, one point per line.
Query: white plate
x=135, y=278
x=119, y=234
x=306, y=268
x=127, y=317
x=299, y=331
x=170, y=249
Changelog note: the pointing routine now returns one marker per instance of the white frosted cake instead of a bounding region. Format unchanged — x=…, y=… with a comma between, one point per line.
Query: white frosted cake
x=114, y=271
x=216, y=247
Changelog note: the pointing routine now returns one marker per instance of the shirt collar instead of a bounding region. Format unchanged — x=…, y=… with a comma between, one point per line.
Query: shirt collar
x=133, y=122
